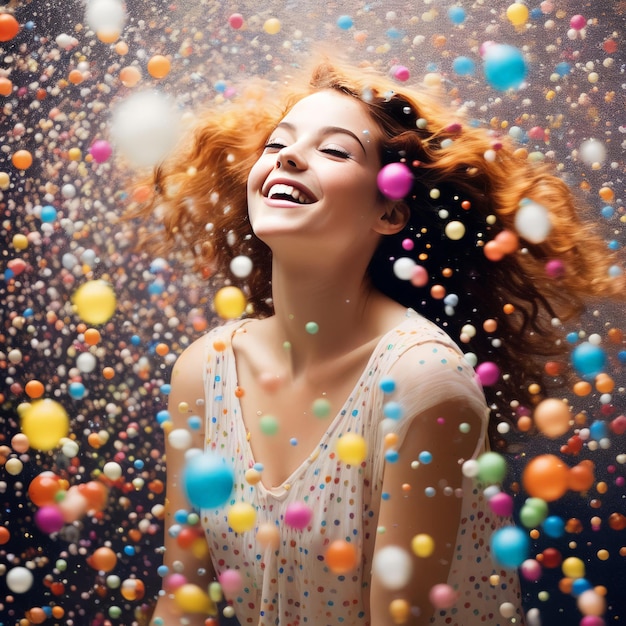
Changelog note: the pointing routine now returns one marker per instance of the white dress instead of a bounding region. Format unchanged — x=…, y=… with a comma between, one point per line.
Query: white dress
x=292, y=585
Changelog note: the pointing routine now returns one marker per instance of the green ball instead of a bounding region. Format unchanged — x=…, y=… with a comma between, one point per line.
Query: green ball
x=269, y=425
x=491, y=467
x=533, y=512
x=321, y=407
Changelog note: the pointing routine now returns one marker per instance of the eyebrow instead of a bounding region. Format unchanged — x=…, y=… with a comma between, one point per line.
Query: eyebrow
x=327, y=130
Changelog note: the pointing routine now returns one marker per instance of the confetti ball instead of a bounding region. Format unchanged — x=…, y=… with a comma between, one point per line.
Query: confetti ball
x=395, y=181
x=463, y=66
x=298, y=515
x=532, y=222
x=573, y=567
x=546, y=477
x=9, y=27
x=591, y=603
x=423, y=545
x=510, y=546
x=588, y=359
x=49, y=519
x=517, y=14
x=103, y=559
x=192, y=599
x=229, y=302
x=159, y=66
x=19, y=579
x=241, y=517
x=145, y=127
x=504, y=66
x=230, y=581
x=393, y=567
x=501, y=504
x=94, y=302
x=208, y=480
x=352, y=449
x=45, y=422
x=442, y=596
x=491, y=467
x=241, y=266
x=105, y=16
x=22, y=159
x=531, y=570
x=488, y=373
x=341, y=557
x=235, y=21
x=272, y=26
x=100, y=150
x=552, y=417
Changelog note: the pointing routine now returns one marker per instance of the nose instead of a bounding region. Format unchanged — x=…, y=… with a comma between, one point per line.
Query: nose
x=290, y=158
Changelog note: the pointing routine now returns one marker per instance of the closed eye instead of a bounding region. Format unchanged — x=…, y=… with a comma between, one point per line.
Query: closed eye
x=273, y=146
x=338, y=152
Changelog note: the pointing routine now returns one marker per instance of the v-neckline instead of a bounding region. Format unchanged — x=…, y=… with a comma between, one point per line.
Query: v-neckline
x=279, y=492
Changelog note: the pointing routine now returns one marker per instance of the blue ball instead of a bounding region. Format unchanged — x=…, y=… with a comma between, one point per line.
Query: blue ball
x=208, y=481
x=456, y=15
x=76, y=390
x=48, y=213
x=393, y=410
x=504, y=67
x=563, y=68
x=345, y=22
x=510, y=546
x=580, y=585
x=463, y=66
x=554, y=526
x=607, y=212
x=598, y=430
x=588, y=359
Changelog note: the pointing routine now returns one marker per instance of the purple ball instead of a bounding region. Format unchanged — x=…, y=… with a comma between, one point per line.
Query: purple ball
x=100, y=150
x=501, y=504
x=555, y=268
x=395, y=181
x=49, y=519
x=298, y=515
x=488, y=373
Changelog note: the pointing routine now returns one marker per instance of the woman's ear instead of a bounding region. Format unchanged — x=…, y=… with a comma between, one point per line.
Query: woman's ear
x=393, y=219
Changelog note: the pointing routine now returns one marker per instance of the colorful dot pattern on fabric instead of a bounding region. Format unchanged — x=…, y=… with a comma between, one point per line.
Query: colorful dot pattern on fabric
x=292, y=585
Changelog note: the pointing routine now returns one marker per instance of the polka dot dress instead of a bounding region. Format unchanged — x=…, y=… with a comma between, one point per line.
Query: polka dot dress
x=291, y=584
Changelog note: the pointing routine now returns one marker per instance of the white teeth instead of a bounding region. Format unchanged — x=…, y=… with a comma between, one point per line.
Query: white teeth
x=287, y=190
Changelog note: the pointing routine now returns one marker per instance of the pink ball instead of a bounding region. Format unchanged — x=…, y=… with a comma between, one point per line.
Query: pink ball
x=578, y=22
x=442, y=596
x=401, y=73
x=235, y=21
x=419, y=276
x=231, y=581
x=174, y=581
x=531, y=570
x=100, y=150
x=407, y=244
x=592, y=620
x=501, y=504
x=298, y=515
x=49, y=519
x=488, y=373
x=555, y=268
x=395, y=181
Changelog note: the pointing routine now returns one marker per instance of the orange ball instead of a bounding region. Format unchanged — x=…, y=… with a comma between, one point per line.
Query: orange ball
x=581, y=476
x=22, y=159
x=552, y=417
x=95, y=493
x=582, y=388
x=604, y=383
x=493, y=250
x=546, y=477
x=75, y=77
x=92, y=336
x=9, y=27
x=341, y=557
x=108, y=373
x=44, y=488
x=34, y=389
x=159, y=66
x=5, y=535
x=6, y=87
x=606, y=193
x=103, y=559
x=162, y=349
x=508, y=241
x=130, y=76
x=36, y=615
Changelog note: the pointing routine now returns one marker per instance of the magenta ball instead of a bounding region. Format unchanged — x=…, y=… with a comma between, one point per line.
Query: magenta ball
x=230, y=581
x=401, y=73
x=592, y=620
x=442, y=596
x=395, y=181
x=555, y=268
x=531, y=570
x=488, y=373
x=49, y=519
x=501, y=504
x=298, y=515
x=100, y=150
x=578, y=22
x=174, y=581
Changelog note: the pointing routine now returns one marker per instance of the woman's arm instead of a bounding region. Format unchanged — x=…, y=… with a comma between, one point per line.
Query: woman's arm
x=408, y=510
x=187, y=390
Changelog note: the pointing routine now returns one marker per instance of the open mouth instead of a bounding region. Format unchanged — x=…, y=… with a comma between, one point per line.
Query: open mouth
x=281, y=191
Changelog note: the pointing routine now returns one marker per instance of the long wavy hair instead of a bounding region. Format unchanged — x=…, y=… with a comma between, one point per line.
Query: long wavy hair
x=461, y=173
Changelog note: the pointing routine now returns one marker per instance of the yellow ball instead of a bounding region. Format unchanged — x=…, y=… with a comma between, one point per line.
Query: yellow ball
x=5, y=181
x=517, y=14
x=20, y=242
x=95, y=302
x=400, y=611
x=45, y=422
x=573, y=567
x=192, y=599
x=241, y=517
x=351, y=449
x=74, y=154
x=422, y=545
x=229, y=302
x=272, y=26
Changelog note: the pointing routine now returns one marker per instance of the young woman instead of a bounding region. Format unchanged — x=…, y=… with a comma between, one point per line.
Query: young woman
x=338, y=398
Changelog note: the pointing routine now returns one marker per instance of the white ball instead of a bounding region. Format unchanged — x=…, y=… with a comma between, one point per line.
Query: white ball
x=403, y=268
x=19, y=579
x=532, y=222
x=241, y=266
x=592, y=151
x=86, y=362
x=179, y=438
x=393, y=566
x=105, y=16
x=112, y=470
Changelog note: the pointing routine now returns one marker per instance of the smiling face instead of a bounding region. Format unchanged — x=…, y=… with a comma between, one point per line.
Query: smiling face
x=316, y=178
